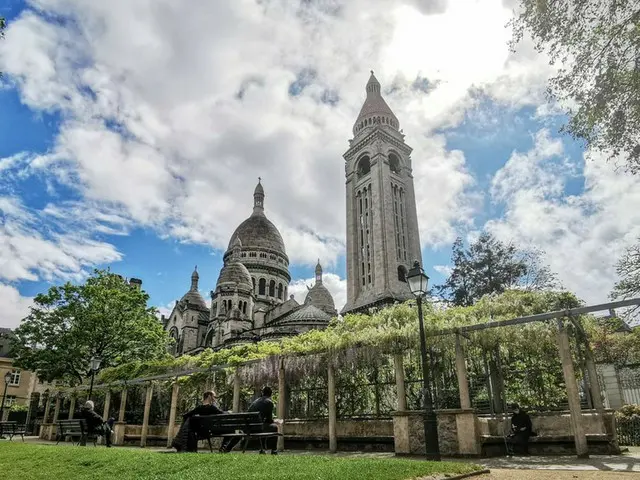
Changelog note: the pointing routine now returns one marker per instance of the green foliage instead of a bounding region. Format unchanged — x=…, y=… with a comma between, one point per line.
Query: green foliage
x=629, y=411
x=24, y=460
x=105, y=317
x=597, y=47
x=628, y=269
x=489, y=266
x=19, y=408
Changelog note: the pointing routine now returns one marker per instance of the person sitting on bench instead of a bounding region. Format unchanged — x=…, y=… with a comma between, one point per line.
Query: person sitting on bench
x=95, y=424
x=521, y=430
x=186, y=439
x=264, y=405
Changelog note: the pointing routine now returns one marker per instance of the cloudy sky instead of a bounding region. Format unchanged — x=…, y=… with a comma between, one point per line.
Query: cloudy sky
x=132, y=133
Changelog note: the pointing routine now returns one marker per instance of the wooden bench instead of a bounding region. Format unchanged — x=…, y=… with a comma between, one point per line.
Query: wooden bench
x=12, y=429
x=76, y=428
x=228, y=425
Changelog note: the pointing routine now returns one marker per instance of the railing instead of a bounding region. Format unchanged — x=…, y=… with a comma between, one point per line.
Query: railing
x=628, y=431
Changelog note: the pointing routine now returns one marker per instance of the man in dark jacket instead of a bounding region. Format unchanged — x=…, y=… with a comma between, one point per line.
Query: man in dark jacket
x=187, y=438
x=265, y=406
x=521, y=430
x=95, y=424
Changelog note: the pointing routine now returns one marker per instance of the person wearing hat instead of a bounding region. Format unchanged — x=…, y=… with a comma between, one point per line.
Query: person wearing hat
x=186, y=439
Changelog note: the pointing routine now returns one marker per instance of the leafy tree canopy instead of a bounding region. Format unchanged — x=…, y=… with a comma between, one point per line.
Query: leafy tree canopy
x=104, y=317
x=490, y=266
x=597, y=44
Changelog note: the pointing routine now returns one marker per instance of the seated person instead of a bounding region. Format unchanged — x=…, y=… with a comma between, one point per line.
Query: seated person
x=186, y=439
x=95, y=424
x=521, y=430
x=264, y=405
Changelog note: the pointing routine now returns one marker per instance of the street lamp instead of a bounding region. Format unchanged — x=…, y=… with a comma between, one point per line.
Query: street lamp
x=95, y=365
x=418, y=282
x=7, y=380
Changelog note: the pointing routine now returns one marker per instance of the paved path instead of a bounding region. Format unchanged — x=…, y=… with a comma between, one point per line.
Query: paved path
x=518, y=474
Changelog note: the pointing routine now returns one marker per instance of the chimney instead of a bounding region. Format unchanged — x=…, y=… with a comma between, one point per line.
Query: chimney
x=135, y=282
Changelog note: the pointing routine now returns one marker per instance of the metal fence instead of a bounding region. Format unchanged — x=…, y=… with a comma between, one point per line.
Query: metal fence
x=628, y=431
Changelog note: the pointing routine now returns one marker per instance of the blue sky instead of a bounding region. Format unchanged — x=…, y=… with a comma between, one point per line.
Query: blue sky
x=129, y=143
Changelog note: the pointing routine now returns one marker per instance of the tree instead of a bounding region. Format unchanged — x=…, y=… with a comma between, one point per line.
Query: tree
x=628, y=270
x=490, y=266
x=597, y=44
x=106, y=317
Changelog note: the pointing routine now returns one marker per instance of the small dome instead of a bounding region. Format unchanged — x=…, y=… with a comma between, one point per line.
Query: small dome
x=374, y=109
x=236, y=273
x=194, y=298
x=320, y=297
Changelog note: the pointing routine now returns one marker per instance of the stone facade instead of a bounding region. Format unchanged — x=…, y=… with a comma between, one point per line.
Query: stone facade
x=250, y=301
x=382, y=223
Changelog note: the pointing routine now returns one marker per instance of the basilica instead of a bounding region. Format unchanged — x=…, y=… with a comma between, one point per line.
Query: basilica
x=251, y=300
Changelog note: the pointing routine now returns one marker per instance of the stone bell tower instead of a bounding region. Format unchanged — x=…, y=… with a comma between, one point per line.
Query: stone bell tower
x=382, y=224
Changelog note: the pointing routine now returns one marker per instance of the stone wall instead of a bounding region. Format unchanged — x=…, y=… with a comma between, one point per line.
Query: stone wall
x=355, y=427
x=548, y=423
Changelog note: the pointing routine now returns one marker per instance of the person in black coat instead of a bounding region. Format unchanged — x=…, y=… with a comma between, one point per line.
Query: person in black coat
x=265, y=406
x=521, y=430
x=187, y=439
x=95, y=424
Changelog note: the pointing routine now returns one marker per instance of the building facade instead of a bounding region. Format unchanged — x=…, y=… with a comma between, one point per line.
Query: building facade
x=18, y=390
x=383, y=239
x=251, y=299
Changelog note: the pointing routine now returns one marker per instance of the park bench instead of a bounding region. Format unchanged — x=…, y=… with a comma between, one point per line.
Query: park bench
x=227, y=425
x=12, y=429
x=76, y=428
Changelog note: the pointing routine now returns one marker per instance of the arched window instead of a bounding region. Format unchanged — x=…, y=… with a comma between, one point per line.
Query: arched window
x=272, y=288
x=254, y=284
x=394, y=163
x=244, y=308
x=364, y=166
x=262, y=287
x=402, y=273
x=280, y=291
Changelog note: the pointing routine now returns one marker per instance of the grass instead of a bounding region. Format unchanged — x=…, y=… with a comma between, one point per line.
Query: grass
x=19, y=460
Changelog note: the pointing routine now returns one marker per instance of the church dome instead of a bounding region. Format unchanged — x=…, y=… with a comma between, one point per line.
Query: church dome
x=319, y=296
x=257, y=230
x=235, y=272
x=193, y=297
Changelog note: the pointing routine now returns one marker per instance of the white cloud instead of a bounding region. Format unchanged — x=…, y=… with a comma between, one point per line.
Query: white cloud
x=583, y=235
x=336, y=286
x=444, y=270
x=14, y=306
x=167, y=124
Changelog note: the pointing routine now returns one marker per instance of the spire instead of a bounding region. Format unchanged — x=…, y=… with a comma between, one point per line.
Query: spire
x=194, y=279
x=319, y=268
x=258, y=198
x=236, y=248
x=374, y=111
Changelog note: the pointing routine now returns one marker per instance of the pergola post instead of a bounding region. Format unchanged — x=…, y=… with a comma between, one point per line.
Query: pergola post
x=398, y=364
x=56, y=413
x=236, y=393
x=123, y=404
x=107, y=405
x=331, y=382
x=461, y=371
x=72, y=406
x=282, y=401
x=573, y=396
x=45, y=419
x=145, y=417
x=172, y=412
x=119, y=427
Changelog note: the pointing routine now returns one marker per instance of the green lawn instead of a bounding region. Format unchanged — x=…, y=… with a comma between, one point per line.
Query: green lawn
x=28, y=461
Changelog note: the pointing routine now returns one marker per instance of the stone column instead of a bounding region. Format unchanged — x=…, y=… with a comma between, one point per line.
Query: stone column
x=400, y=386
x=145, y=417
x=45, y=419
x=172, y=412
x=573, y=397
x=331, y=382
x=282, y=401
x=56, y=413
x=236, y=393
x=461, y=371
x=119, y=427
x=72, y=406
x=107, y=405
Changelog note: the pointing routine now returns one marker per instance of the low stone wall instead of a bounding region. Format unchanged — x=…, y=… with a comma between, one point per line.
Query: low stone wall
x=548, y=423
x=353, y=427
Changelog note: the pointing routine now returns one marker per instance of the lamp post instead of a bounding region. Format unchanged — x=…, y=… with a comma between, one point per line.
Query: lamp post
x=418, y=282
x=7, y=379
x=95, y=365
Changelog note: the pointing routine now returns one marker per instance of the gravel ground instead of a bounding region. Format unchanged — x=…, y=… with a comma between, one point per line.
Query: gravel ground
x=497, y=474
